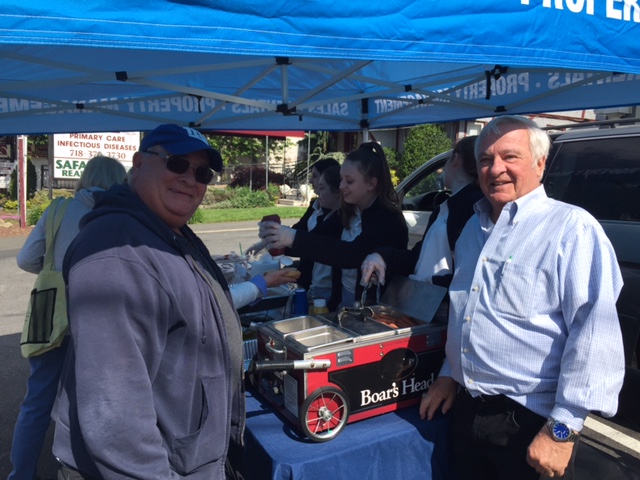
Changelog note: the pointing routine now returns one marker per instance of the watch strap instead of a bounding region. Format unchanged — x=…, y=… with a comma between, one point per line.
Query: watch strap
x=552, y=423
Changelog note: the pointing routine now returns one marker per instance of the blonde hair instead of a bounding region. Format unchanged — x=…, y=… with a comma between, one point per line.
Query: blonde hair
x=102, y=172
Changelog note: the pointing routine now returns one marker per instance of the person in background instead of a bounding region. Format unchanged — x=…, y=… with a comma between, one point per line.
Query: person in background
x=325, y=279
x=34, y=418
x=312, y=217
x=431, y=259
x=315, y=210
x=533, y=341
x=371, y=218
x=152, y=386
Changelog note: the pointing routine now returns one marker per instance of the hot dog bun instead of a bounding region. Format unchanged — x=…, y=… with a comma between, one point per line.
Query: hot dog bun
x=292, y=273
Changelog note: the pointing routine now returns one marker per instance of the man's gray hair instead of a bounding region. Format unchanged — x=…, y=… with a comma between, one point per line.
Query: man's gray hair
x=539, y=141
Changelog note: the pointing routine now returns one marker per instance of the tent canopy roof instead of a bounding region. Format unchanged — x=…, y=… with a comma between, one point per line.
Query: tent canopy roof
x=314, y=65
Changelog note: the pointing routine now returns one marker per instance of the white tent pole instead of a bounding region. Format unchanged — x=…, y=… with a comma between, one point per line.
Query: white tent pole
x=365, y=135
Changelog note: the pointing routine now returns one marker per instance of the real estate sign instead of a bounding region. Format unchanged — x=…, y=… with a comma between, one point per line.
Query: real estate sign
x=72, y=151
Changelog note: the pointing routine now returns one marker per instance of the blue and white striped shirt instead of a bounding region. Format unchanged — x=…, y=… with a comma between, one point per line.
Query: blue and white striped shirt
x=533, y=309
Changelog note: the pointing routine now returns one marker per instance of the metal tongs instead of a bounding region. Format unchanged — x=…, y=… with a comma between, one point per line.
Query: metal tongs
x=363, y=297
x=360, y=313
x=359, y=310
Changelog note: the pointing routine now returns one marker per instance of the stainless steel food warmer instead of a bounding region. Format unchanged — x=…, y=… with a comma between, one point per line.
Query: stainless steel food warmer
x=322, y=372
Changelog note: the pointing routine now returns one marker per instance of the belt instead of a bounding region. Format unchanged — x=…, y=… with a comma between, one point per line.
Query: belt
x=486, y=398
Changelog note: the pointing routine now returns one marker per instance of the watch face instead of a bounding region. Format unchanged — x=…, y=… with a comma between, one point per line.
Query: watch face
x=561, y=431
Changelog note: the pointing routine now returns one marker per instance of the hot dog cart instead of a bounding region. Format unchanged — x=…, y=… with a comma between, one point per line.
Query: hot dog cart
x=324, y=371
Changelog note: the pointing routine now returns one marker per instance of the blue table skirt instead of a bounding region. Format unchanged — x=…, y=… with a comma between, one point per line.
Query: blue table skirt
x=396, y=445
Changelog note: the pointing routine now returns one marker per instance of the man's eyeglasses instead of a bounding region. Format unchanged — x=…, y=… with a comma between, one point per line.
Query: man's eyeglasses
x=179, y=165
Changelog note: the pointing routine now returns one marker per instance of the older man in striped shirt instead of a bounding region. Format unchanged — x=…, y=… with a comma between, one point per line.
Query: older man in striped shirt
x=534, y=340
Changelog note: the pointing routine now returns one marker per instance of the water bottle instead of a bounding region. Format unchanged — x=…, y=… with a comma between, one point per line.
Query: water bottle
x=320, y=306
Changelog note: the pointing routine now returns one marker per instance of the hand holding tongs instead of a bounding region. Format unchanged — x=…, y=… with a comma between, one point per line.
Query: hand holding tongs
x=363, y=298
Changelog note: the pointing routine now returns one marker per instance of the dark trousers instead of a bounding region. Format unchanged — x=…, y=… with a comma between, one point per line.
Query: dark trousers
x=490, y=437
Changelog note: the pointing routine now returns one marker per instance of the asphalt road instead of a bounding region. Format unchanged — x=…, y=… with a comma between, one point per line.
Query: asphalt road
x=609, y=452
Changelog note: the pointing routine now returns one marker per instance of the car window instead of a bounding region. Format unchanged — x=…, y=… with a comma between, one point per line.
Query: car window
x=602, y=176
x=421, y=194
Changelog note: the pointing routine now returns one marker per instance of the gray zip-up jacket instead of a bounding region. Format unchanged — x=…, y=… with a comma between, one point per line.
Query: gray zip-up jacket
x=152, y=385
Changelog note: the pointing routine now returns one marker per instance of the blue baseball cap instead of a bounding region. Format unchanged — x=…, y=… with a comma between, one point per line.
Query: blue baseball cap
x=179, y=140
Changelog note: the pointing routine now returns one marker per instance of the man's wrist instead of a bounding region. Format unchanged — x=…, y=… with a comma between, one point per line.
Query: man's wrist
x=561, y=432
x=260, y=282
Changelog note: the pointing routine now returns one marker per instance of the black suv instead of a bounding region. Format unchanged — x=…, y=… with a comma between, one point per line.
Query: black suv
x=597, y=169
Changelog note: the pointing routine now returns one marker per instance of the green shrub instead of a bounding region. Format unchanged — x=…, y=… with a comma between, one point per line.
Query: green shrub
x=245, y=198
x=222, y=205
x=11, y=205
x=34, y=213
x=254, y=176
x=197, y=217
x=242, y=197
x=273, y=191
x=216, y=195
x=422, y=143
x=40, y=201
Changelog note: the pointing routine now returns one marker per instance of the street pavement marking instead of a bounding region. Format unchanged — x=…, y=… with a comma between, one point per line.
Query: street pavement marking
x=611, y=433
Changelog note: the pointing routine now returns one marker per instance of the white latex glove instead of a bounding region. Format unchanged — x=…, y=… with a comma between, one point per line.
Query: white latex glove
x=276, y=235
x=373, y=269
x=256, y=248
x=265, y=228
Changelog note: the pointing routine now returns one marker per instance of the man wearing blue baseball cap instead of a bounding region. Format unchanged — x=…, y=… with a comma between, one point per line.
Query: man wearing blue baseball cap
x=179, y=140
x=152, y=384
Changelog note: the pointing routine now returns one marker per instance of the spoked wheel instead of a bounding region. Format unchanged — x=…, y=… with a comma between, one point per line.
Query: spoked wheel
x=324, y=414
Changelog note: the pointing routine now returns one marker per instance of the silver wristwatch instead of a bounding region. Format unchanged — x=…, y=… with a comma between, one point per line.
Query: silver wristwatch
x=560, y=432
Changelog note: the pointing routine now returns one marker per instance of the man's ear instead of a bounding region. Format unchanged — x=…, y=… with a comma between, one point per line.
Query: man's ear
x=137, y=160
x=541, y=165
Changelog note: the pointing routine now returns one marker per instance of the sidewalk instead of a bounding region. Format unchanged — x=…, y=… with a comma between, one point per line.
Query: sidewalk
x=12, y=243
x=15, y=243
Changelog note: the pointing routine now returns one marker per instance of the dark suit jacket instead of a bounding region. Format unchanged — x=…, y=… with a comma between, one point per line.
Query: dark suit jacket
x=380, y=227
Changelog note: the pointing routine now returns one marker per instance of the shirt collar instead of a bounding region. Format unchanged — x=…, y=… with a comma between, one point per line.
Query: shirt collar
x=513, y=209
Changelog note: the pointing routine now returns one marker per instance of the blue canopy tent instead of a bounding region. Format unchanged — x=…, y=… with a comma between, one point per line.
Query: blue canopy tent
x=72, y=66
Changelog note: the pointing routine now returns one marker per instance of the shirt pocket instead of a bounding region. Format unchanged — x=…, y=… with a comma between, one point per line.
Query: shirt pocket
x=208, y=443
x=518, y=291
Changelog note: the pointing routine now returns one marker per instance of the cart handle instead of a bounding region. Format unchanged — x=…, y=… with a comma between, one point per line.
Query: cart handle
x=315, y=364
x=275, y=351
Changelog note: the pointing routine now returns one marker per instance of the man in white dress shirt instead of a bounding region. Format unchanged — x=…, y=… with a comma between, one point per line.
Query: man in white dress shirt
x=534, y=340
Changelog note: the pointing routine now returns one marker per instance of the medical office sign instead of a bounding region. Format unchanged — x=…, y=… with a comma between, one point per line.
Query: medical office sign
x=72, y=151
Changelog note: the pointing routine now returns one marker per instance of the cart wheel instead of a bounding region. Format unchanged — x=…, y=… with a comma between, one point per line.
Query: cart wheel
x=324, y=414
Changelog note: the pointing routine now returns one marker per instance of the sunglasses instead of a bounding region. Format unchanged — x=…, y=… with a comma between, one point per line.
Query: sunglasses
x=179, y=165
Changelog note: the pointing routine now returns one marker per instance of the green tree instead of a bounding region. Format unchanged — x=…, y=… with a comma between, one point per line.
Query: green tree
x=394, y=164
x=31, y=181
x=423, y=143
x=231, y=147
